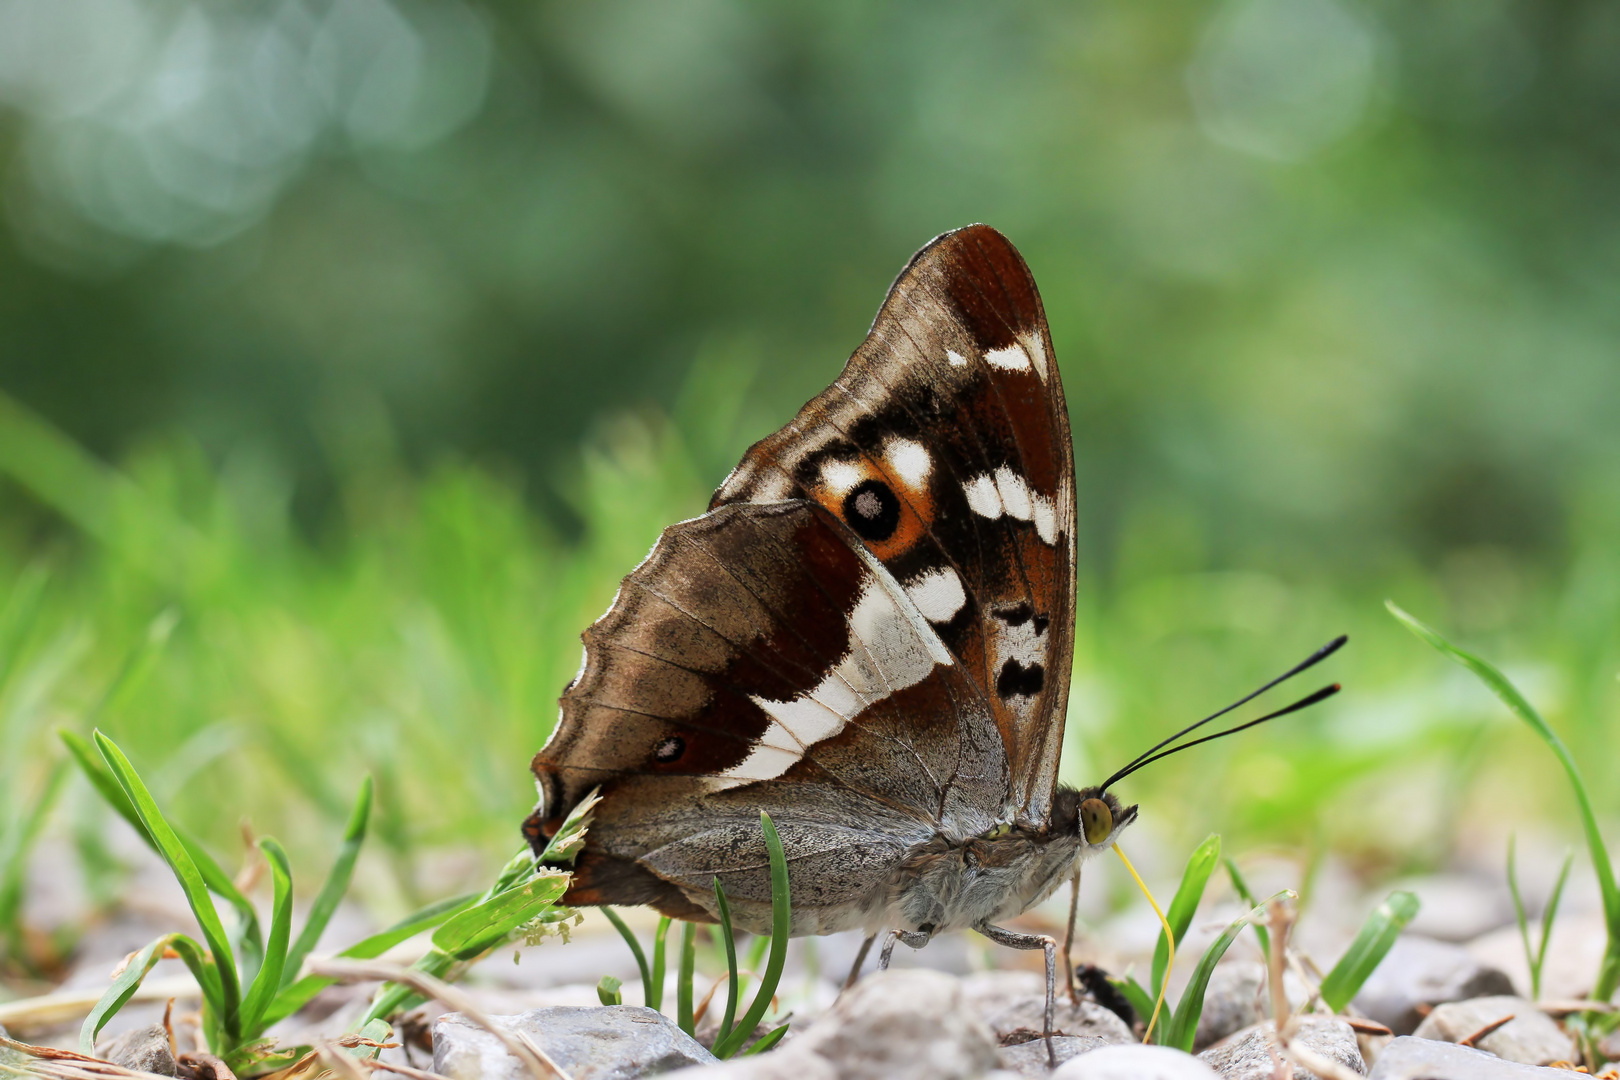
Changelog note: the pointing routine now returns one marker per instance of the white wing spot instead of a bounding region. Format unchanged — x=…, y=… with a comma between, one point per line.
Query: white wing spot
x=891, y=648
x=982, y=497
x=938, y=594
x=1045, y=519
x=1014, y=494
x=956, y=358
x=1012, y=358
x=910, y=461
x=1037, y=350
x=841, y=476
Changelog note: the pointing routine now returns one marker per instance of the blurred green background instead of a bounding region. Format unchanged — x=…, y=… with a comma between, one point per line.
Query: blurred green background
x=352, y=350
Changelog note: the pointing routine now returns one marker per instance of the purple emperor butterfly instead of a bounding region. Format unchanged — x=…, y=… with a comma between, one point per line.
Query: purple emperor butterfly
x=867, y=636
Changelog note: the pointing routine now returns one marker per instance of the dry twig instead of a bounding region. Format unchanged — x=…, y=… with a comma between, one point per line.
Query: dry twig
x=535, y=1060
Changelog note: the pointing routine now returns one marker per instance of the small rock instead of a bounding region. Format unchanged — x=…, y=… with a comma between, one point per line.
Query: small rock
x=1015, y=1001
x=615, y=1042
x=787, y=1063
x=1029, y=1058
x=143, y=1049
x=1135, y=1062
x=1420, y=971
x=1409, y=1058
x=1248, y=1055
x=901, y=1024
x=1457, y=907
x=1239, y=996
x=1530, y=1038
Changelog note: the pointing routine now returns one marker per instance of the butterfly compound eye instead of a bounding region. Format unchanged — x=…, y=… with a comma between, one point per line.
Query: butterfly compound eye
x=1097, y=820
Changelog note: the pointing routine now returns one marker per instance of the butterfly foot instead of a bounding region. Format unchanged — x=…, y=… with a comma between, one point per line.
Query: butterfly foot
x=1049, y=946
x=914, y=938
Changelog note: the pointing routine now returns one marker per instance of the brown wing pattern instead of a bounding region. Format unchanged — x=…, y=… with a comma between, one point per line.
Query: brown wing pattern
x=762, y=659
x=945, y=446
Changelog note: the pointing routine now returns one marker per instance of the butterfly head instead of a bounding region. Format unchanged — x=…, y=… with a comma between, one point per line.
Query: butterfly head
x=1092, y=814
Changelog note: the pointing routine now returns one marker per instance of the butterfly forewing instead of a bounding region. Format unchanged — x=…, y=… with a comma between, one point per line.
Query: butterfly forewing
x=945, y=447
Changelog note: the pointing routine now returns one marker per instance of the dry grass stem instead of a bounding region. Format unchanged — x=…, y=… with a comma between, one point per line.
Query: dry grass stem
x=403, y=1070
x=54, y=1010
x=1324, y=1067
x=340, y=1063
x=1486, y=1030
x=1563, y=1007
x=536, y=1061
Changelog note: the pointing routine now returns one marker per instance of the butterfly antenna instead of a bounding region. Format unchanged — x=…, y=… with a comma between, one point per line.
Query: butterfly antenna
x=1309, y=662
x=1303, y=703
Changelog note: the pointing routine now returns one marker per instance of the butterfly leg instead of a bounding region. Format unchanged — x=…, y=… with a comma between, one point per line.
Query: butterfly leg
x=1068, y=940
x=915, y=938
x=860, y=958
x=1033, y=941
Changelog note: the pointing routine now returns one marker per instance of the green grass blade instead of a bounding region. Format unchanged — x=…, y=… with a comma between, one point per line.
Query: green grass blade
x=781, y=926
x=767, y=1040
x=570, y=835
x=1519, y=705
x=249, y=940
x=185, y=871
x=1247, y=895
x=1183, y=1025
x=297, y=995
x=267, y=983
x=1548, y=917
x=656, y=987
x=94, y=771
x=609, y=991
x=1373, y=942
x=729, y=938
x=122, y=989
x=684, y=980
x=136, y=969
x=618, y=922
x=485, y=925
x=1194, y=878
x=336, y=884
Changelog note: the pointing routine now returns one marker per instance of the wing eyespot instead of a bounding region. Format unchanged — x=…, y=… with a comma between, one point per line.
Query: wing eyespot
x=669, y=750
x=873, y=510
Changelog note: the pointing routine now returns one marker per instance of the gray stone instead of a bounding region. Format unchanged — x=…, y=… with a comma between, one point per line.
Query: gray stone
x=1029, y=1058
x=143, y=1049
x=1249, y=1055
x=1530, y=1038
x=787, y=1063
x=1011, y=1002
x=902, y=1024
x=1409, y=1058
x=1457, y=907
x=615, y=1042
x=1135, y=1062
x=1419, y=972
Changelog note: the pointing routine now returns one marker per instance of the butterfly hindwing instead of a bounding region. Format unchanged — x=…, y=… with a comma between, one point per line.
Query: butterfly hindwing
x=944, y=445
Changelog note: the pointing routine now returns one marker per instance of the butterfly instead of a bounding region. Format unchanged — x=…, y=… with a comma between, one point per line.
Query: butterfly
x=867, y=636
